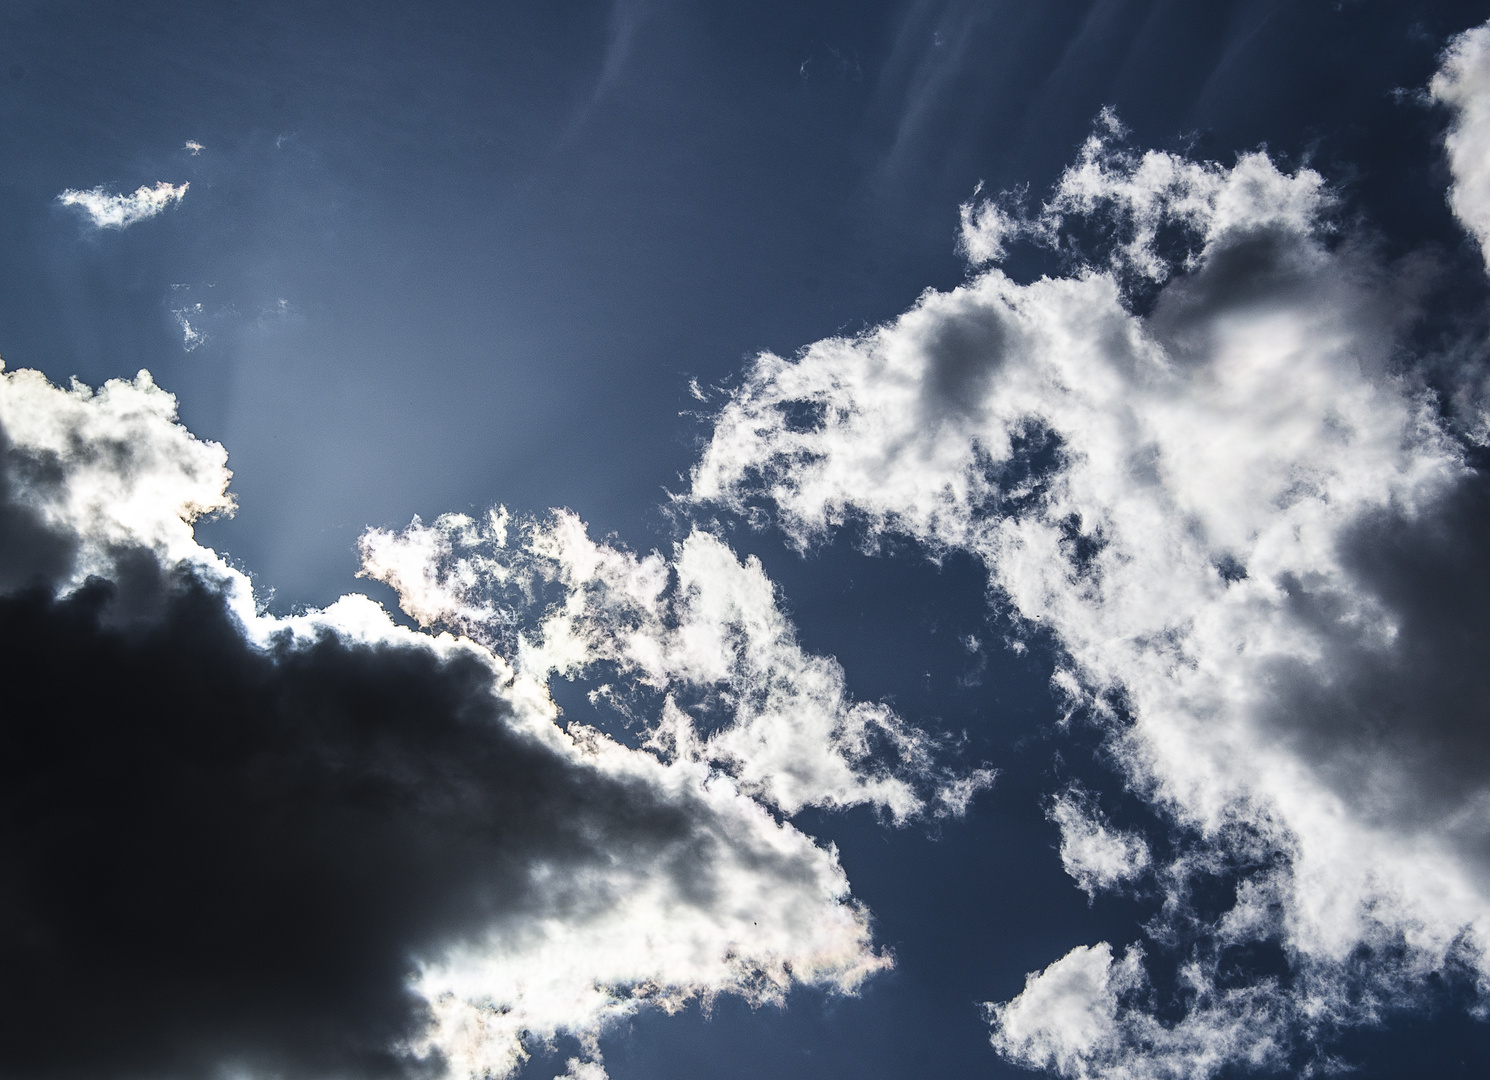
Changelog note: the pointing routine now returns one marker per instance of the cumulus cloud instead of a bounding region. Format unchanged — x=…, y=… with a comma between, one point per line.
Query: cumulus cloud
x=701, y=631
x=1153, y=212
x=1463, y=84
x=324, y=844
x=109, y=211
x=1196, y=461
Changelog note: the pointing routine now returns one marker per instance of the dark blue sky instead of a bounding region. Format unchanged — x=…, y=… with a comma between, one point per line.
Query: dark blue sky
x=506, y=235
x=449, y=255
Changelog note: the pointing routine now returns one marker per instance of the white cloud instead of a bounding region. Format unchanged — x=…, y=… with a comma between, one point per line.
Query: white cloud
x=130, y=476
x=584, y=1070
x=635, y=940
x=193, y=147
x=1137, y=196
x=702, y=629
x=1067, y=1014
x=777, y=915
x=1096, y=855
x=1228, y=511
x=753, y=906
x=108, y=211
x=1084, y=1017
x=986, y=231
x=1463, y=84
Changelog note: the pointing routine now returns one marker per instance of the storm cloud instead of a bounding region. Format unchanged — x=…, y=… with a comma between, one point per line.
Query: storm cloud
x=326, y=845
x=240, y=855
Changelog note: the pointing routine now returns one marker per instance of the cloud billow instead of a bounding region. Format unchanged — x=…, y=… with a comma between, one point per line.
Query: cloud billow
x=1256, y=540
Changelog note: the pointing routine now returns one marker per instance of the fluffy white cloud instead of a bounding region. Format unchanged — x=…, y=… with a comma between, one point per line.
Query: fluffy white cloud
x=703, y=629
x=111, y=469
x=1137, y=196
x=1095, y=854
x=987, y=230
x=108, y=211
x=1084, y=1017
x=695, y=889
x=1067, y=1013
x=584, y=1070
x=1463, y=84
x=1250, y=536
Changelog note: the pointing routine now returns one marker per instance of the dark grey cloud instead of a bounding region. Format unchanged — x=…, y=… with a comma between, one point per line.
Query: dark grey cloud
x=325, y=845
x=1401, y=726
x=30, y=551
x=223, y=855
x=963, y=351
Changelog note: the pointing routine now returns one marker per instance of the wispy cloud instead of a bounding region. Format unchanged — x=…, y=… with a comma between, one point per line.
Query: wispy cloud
x=1095, y=854
x=193, y=147
x=109, y=211
x=191, y=336
x=627, y=18
x=701, y=631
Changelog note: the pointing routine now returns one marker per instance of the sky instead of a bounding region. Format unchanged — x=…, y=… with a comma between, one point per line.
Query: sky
x=649, y=540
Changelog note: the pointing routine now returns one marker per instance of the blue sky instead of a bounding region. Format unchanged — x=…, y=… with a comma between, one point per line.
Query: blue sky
x=802, y=347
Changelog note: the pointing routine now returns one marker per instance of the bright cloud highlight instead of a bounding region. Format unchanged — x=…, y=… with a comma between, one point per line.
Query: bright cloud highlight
x=700, y=632
x=383, y=843
x=109, y=211
x=1196, y=461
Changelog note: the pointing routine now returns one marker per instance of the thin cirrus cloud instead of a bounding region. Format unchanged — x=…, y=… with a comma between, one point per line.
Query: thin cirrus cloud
x=1255, y=540
x=326, y=844
x=106, y=210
